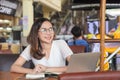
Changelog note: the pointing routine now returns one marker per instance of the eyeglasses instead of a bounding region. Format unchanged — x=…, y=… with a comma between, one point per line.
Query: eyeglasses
x=44, y=30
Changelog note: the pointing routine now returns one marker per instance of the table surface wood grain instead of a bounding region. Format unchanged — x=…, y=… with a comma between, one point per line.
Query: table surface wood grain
x=18, y=76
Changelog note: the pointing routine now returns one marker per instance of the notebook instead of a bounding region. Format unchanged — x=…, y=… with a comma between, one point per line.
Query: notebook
x=83, y=62
x=42, y=75
x=35, y=76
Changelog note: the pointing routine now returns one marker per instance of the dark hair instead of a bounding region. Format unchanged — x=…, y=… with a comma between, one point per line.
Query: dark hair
x=33, y=40
x=76, y=31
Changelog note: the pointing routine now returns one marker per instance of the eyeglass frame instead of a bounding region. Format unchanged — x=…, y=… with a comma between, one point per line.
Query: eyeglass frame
x=44, y=30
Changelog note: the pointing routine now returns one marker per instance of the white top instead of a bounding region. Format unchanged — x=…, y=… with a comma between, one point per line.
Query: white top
x=59, y=51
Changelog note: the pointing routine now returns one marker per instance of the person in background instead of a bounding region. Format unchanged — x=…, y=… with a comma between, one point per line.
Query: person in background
x=78, y=38
x=47, y=54
x=2, y=38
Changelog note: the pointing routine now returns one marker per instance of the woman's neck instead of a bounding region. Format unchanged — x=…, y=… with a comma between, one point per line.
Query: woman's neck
x=46, y=46
x=46, y=49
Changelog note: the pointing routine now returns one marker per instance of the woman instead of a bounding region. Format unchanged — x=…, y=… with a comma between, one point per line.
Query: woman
x=47, y=54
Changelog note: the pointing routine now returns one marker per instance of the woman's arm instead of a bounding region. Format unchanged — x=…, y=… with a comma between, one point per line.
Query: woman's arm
x=17, y=66
x=55, y=69
x=52, y=69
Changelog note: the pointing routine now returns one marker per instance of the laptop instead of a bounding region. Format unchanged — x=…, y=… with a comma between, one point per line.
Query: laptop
x=83, y=62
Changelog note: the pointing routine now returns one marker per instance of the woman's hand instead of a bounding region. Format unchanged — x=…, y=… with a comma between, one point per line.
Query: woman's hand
x=39, y=68
x=43, y=68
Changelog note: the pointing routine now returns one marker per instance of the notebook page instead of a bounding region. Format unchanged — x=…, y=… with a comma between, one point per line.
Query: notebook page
x=35, y=76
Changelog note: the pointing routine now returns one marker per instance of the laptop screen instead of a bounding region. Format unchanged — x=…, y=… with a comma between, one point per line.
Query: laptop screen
x=83, y=62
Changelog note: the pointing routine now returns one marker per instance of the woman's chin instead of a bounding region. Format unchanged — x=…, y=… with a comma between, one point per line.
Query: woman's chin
x=48, y=41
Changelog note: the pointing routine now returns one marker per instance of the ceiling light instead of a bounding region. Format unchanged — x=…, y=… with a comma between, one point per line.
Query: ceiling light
x=1, y=28
x=1, y=21
x=8, y=28
x=6, y=21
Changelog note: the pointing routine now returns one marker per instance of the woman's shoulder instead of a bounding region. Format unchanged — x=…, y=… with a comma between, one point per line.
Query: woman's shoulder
x=28, y=46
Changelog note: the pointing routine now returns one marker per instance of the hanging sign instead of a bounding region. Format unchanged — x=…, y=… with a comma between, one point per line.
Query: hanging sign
x=8, y=7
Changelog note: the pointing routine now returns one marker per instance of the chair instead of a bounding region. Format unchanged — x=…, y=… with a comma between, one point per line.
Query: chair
x=15, y=48
x=77, y=48
x=6, y=60
x=107, y=75
x=4, y=46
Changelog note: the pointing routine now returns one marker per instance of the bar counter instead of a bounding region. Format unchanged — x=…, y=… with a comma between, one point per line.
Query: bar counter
x=106, y=40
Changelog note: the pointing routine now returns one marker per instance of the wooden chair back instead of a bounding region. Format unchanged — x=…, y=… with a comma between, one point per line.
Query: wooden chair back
x=4, y=46
x=15, y=48
x=77, y=48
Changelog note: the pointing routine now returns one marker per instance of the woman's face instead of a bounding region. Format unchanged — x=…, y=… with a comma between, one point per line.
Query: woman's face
x=46, y=32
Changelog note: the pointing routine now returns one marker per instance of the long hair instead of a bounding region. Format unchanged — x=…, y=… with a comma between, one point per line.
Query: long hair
x=33, y=40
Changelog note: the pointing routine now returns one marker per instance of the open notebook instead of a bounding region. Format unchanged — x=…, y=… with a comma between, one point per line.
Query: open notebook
x=42, y=75
x=35, y=76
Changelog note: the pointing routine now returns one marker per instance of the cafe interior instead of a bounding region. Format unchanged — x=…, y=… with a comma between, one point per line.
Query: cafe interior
x=93, y=17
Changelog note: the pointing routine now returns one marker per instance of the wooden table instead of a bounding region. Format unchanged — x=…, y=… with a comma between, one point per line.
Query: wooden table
x=8, y=51
x=17, y=76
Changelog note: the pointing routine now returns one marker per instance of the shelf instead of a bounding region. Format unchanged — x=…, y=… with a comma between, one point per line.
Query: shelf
x=106, y=40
